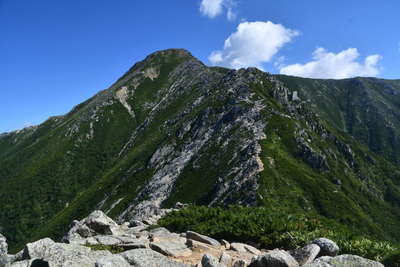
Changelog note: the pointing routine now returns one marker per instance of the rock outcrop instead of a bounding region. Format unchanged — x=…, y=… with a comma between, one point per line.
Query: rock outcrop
x=98, y=241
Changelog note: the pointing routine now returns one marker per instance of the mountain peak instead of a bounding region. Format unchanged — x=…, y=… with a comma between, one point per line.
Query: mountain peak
x=178, y=54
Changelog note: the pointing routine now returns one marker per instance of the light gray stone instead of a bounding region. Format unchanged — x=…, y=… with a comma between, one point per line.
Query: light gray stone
x=210, y=261
x=101, y=223
x=240, y=247
x=171, y=248
x=274, y=258
x=97, y=223
x=134, y=223
x=202, y=238
x=24, y=263
x=226, y=244
x=90, y=241
x=59, y=254
x=3, y=245
x=112, y=261
x=239, y=263
x=344, y=260
x=328, y=247
x=225, y=259
x=4, y=260
x=149, y=258
x=108, y=240
x=306, y=254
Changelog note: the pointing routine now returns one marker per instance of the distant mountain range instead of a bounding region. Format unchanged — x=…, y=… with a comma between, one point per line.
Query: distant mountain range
x=173, y=129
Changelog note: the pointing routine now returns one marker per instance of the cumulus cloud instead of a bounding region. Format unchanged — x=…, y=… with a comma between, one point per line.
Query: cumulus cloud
x=253, y=44
x=336, y=66
x=211, y=8
x=230, y=14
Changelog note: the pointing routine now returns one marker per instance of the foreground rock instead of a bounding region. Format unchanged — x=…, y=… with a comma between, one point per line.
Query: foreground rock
x=59, y=254
x=202, y=238
x=134, y=244
x=210, y=261
x=275, y=258
x=3, y=245
x=328, y=247
x=240, y=247
x=306, y=254
x=97, y=223
x=149, y=258
x=344, y=261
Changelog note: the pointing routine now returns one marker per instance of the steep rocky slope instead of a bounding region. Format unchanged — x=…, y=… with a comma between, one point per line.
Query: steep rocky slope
x=366, y=108
x=172, y=129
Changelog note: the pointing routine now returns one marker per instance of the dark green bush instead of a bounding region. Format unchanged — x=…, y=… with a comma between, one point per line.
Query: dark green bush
x=273, y=229
x=393, y=259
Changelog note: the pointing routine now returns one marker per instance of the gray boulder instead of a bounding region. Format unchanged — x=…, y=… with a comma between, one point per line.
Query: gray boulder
x=344, y=260
x=225, y=259
x=210, y=261
x=202, y=238
x=24, y=263
x=328, y=247
x=240, y=247
x=112, y=261
x=239, y=263
x=149, y=258
x=108, y=240
x=134, y=223
x=4, y=260
x=59, y=254
x=306, y=254
x=3, y=245
x=274, y=258
x=171, y=248
x=97, y=223
x=100, y=223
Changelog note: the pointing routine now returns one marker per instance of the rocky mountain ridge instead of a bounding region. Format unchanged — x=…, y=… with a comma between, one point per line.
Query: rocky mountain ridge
x=172, y=129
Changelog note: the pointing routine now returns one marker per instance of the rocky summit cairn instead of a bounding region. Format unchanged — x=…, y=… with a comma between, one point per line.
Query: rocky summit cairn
x=99, y=241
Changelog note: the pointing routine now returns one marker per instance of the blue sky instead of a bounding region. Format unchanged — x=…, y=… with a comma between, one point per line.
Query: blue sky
x=56, y=54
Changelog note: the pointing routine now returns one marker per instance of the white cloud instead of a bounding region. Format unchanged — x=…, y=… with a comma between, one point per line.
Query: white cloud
x=211, y=8
x=336, y=66
x=252, y=44
x=230, y=14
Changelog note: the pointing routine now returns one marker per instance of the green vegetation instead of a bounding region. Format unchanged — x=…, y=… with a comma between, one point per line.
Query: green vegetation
x=113, y=249
x=271, y=228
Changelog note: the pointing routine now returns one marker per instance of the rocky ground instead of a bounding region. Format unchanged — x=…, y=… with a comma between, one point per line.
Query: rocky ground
x=99, y=241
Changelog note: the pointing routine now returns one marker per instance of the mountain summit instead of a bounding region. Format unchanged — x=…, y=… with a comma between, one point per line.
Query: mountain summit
x=172, y=129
